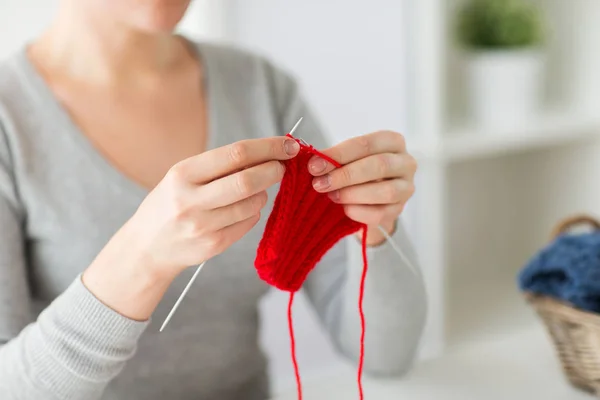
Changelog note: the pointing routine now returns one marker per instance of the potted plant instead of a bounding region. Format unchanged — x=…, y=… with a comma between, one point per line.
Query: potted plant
x=503, y=41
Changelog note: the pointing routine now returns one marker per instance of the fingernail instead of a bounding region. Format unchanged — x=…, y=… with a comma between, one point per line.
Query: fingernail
x=322, y=182
x=291, y=147
x=335, y=195
x=317, y=165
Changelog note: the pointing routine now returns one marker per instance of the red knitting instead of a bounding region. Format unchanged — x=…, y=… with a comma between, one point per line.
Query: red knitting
x=304, y=224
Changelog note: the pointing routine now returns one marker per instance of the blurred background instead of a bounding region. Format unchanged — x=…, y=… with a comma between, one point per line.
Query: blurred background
x=502, y=108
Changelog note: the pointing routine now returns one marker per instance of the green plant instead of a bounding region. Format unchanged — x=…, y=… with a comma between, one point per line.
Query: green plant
x=492, y=24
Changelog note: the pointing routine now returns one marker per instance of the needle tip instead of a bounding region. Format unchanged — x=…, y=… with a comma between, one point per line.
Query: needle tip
x=296, y=126
x=181, y=296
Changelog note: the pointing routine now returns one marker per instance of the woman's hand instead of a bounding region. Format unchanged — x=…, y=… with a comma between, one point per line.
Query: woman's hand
x=374, y=183
x=203, y=205
x=208, y=202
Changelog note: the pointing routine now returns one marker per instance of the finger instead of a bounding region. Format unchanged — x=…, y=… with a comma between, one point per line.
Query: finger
x=227, y=236
x=240, y=211
x=373, y=214
x=357, y=148
x=223, y=161
x=371, y=168
x=241, y=185
x=385, y=192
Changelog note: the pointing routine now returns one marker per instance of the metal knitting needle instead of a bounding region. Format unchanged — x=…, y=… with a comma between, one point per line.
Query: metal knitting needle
x=181, y=296
x=397, y=249
x=296, y=126
x=191, y=282
x=302, y=141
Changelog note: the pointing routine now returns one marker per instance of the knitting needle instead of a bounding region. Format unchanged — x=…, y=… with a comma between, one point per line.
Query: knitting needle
x=397, y=249
x=296, y=126
x=391, y=241
x=181, y=296
x=189, y=285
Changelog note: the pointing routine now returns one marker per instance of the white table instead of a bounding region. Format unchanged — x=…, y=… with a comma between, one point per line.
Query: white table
x=520, y=366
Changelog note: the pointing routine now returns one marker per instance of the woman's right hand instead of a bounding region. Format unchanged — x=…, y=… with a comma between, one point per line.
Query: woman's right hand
x=208, y=202
x=202, y=206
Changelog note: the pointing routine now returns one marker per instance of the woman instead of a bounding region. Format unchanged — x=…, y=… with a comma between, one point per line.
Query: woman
x=127, y=154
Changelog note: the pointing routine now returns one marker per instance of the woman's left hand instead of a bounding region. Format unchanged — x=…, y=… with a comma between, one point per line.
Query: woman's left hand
x=374, y=183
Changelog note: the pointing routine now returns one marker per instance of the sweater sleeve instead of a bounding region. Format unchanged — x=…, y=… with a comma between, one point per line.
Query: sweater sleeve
x=76, y=345
x=395, y=302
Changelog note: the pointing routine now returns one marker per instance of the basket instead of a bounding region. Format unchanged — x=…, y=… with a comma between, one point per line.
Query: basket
x=574, y=332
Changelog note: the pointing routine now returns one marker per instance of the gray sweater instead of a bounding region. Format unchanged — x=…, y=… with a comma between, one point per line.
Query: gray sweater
x=61, y=201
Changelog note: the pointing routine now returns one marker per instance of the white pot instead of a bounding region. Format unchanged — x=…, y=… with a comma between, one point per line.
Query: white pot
x=505, y=87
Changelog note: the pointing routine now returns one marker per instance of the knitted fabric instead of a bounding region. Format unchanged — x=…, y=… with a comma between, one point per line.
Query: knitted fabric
x=304, y=224
x=567, y=269
x=302, y=227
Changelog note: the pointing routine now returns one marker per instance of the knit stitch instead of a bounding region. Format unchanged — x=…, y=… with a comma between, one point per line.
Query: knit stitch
x=303, y=225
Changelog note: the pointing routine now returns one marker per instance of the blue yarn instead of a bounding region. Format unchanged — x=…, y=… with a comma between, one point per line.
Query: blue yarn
x=568, y=269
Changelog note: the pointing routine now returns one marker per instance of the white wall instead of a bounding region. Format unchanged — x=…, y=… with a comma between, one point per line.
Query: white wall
x=205, y=19
x=21, y=20
x=349, y=56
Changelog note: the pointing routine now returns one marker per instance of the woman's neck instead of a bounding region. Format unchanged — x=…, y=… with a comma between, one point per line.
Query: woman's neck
x=97, y=50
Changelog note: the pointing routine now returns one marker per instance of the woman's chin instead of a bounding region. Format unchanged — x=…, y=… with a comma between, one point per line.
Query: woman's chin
x=157, y=26
x=161, y=21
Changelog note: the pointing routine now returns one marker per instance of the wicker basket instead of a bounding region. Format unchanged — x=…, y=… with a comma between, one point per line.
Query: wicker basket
x=575, y=333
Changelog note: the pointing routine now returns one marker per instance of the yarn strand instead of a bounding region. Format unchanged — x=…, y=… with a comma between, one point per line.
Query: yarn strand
x=361, y=312
x=293, y=346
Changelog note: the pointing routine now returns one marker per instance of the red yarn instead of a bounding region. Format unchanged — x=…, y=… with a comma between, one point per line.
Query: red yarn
x=304, y=224
x=361, y=296
x=293, y=345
